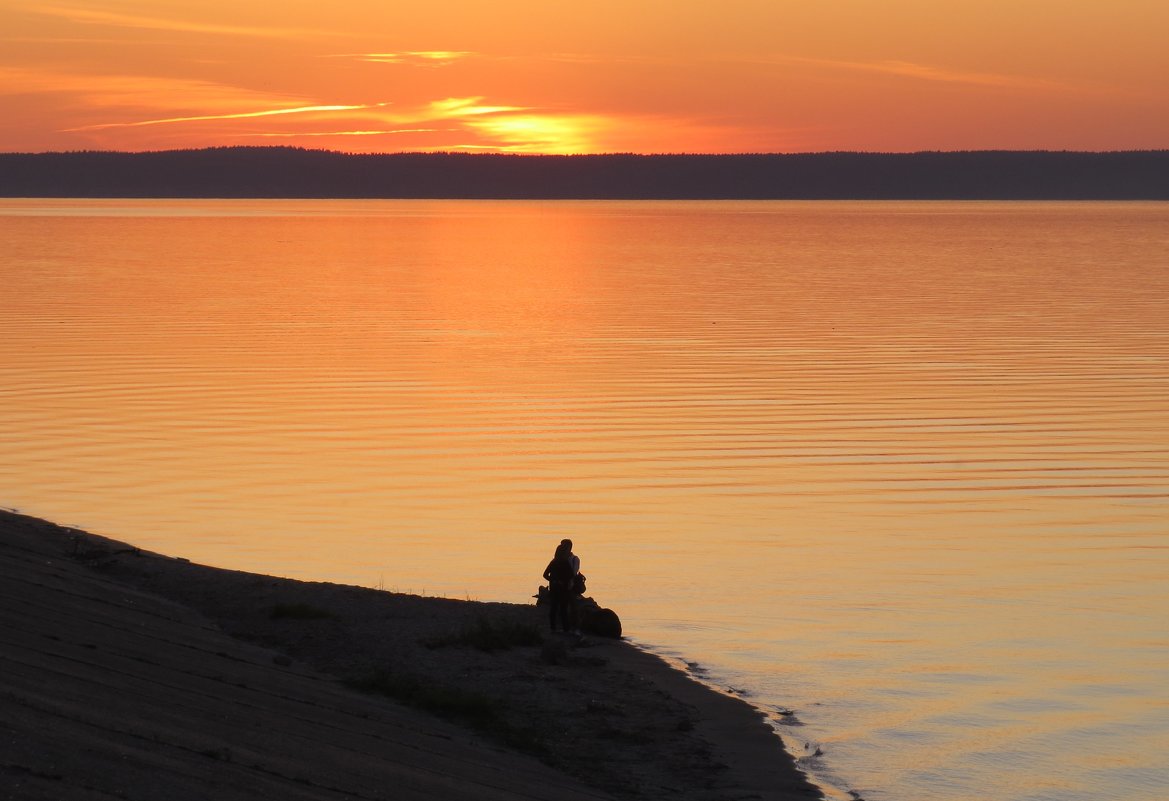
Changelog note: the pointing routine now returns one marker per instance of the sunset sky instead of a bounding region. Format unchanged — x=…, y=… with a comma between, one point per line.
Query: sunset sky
x=555, y=77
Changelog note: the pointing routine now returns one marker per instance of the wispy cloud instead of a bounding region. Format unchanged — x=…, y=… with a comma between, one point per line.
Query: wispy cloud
x=299, y=134
x=926, y=72
x=910, y=69
x=122, y=91
x=904, y=69
x=455, y=107
x=60, y=40
x=589, y=59
x=112, y=19
x=415, y=58
x=235, y=116
x=143, y=111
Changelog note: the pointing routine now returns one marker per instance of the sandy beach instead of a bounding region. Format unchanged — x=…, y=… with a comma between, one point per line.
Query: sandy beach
x=128, y=674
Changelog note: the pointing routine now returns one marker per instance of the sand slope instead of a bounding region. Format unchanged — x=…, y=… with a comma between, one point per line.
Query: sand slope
x=108, y=691
x=131, y=675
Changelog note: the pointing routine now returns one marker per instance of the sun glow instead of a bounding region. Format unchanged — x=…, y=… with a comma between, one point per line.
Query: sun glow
x=520, y=76
x=539, y=133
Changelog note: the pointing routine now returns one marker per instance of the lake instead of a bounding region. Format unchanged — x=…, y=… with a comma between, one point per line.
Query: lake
x=898, y=469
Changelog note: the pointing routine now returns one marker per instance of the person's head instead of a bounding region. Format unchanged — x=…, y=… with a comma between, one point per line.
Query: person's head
x=566, y=544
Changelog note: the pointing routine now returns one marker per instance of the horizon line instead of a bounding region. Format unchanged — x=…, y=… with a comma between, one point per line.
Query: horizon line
x=689, y=154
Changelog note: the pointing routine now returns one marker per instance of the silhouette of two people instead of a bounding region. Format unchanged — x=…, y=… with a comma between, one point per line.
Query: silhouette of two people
x=565, y=583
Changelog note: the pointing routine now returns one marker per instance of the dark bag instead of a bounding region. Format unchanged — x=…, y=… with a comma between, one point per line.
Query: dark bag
x=578, y=583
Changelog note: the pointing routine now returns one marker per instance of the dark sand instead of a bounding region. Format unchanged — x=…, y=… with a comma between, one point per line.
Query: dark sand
x=126, y=674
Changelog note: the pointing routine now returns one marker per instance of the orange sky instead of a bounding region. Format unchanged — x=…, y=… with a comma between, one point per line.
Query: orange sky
x=603, y=76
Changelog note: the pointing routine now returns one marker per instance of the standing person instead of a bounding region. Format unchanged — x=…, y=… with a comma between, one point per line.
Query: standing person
x=578, y=578
x=560, y=574
x=576, y=594
x=567, y=545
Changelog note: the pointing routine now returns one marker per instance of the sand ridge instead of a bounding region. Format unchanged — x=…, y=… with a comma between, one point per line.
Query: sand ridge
x=135, y=675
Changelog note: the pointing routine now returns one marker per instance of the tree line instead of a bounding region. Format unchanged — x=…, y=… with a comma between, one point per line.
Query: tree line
x=285, y=172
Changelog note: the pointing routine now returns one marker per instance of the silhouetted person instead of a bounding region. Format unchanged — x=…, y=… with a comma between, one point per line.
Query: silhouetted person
x=560, y=575
x=578, y=582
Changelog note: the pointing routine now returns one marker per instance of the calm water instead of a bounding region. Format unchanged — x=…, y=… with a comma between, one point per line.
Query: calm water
x=901, y=468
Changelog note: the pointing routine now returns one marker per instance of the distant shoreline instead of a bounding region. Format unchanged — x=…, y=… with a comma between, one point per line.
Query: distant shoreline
x=132, y=672
x=283, y=172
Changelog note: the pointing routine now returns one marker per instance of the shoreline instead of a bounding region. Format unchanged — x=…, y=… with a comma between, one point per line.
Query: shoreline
x=517, y=712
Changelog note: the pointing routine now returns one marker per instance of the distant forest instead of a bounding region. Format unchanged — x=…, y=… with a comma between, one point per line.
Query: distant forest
x=282, y=172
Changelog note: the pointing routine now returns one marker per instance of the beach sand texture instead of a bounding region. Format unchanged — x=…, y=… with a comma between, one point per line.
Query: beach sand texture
x=133, y=675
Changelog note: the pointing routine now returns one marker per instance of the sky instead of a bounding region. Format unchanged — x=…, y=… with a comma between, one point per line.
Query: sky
x=642, y=76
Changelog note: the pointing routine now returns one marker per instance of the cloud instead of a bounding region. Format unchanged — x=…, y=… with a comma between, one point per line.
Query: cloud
x=905, y=69
x=113, y=19
x=455, y=107
x=109, y=91
x=124, y=111
x=299, y=134
x=415, y=58
x=235, y=116
x=924, y=72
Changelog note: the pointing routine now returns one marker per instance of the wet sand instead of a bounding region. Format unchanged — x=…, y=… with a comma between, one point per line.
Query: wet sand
x=135, y=675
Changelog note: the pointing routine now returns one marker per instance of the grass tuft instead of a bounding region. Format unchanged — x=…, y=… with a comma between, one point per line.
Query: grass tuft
x=487, y=635
x=468, y=708
x=446, y=702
